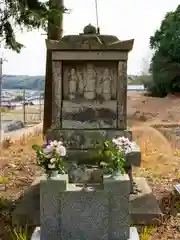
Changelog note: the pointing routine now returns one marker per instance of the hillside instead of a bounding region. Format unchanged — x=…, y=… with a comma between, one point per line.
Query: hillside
x=37, y=82
x=23, y=82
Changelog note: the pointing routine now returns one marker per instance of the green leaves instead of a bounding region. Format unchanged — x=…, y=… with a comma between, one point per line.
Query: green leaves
x=111, y=158
x=17, y=15
x=165, y=63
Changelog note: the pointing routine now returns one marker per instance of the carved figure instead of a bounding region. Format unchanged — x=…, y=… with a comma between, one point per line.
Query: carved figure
x=106, y=85
x=72, y=84
x=81, y=84
x=99, y=83
x=90, y=83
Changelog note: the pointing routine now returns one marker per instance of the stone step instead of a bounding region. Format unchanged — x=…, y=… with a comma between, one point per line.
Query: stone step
x=144, y=207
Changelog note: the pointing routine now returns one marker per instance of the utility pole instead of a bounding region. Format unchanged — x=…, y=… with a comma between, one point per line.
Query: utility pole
x=55, y=31
x=24, y=107
x=1, y=76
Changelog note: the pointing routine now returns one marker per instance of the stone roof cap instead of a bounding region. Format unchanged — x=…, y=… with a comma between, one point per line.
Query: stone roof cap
x=90, y=39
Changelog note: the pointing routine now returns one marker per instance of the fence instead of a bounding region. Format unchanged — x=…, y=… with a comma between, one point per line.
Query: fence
x=25, y=109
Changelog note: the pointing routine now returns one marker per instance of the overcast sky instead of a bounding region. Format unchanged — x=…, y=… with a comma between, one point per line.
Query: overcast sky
x=126, y=19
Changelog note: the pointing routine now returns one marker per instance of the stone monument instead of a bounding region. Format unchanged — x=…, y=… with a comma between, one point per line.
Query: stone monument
x=89, y=107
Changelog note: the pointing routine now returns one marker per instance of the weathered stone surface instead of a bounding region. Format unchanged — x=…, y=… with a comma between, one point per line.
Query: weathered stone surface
x=99, y=72
x=86, y=115
x=56, y=90
x=85, y=81
x=50, y=200
x=84, y=138
x=86, y=42
x=84, y=215
x=122, y=95
x=134, y=157
x=119, y=215
x=74, y=213
x=144, y=207
x=84, y=174
x=27, y=210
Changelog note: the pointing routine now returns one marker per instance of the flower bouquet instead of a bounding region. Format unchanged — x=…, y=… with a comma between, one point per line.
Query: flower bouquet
x=50, y=157
x=112, y=155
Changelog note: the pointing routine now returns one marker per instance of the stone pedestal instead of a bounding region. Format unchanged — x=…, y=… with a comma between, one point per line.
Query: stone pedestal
x=71, y=212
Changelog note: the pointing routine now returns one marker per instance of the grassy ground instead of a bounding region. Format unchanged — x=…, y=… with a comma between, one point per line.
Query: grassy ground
x=160, y=165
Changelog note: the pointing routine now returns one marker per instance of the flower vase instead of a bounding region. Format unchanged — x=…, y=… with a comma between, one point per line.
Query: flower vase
x=117, y=173
x=51, y=174
x=111, y=175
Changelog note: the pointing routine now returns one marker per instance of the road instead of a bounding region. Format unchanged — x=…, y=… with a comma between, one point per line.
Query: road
x=17, y=134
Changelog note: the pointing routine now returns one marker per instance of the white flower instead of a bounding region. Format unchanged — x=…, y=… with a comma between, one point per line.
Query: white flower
x=123, y=144
x=61, y=150
x=59, y=144
x=115, y=141
x=53, y=143
x=48, y=149
x=51, y=166
x=52, y=160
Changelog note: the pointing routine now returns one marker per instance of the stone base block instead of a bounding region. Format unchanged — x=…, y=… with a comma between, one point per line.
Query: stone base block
x=144, y=207
x=133, y=234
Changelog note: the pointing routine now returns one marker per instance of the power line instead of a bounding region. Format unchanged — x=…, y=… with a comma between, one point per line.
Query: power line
x=1, y=76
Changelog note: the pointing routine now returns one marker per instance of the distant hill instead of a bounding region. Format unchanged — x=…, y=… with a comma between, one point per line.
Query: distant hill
x=23, y=82
x=38, y=82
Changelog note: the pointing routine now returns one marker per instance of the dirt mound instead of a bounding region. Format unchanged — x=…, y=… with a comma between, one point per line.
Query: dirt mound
x=153, y=109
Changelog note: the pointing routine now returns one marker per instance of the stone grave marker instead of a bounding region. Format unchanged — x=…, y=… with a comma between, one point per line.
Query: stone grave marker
x=89, y=107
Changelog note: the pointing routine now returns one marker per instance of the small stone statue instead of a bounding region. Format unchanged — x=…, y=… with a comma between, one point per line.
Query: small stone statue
x=90, y=83
x=72, y=84
x=106, y=85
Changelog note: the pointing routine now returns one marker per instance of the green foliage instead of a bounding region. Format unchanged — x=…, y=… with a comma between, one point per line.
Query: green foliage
x=17, y=15
x=111, y=158
x=19, y=98
x=19, y=233
x=165, y=63
x=147, y=232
